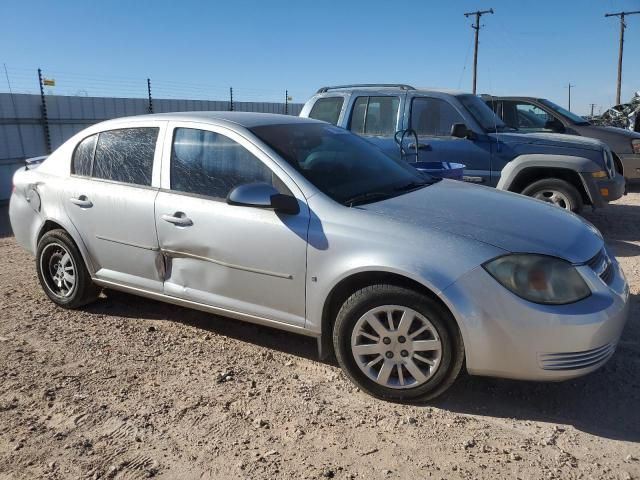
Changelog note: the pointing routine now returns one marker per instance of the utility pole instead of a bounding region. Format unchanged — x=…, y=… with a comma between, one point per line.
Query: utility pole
x=622, y=27
x=592, y=105
x=570, y=87
x=231, y=99
x=476, y=27
x=286, y=102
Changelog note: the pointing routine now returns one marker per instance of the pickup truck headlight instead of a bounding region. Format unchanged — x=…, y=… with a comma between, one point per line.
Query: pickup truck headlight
x=539, y=278
x=635, y=145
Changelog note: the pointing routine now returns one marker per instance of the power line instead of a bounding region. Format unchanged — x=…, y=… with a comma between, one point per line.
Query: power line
x=476, y=27
x=622, y=27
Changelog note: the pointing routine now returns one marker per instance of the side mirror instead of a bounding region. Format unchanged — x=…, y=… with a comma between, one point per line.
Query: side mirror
x=554, y=125
x=460, y=130
x=263, y=195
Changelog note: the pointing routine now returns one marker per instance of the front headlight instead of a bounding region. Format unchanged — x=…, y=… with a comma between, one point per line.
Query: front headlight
x=539, y=278
x=635, y=145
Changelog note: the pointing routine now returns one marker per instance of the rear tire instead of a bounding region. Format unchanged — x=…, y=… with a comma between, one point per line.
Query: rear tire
x=557, y=192
x=62, y=272
x=397, y=344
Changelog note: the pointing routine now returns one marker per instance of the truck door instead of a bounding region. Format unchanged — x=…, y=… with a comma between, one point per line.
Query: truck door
x=432, y=119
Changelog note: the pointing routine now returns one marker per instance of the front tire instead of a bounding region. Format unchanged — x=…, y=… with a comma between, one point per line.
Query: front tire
x=62, y=272
x=557, y=192
x=397, y=344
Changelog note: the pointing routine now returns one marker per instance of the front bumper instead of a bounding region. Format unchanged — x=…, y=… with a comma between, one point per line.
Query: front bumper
x=603, y=190
x=631, y=165
x=507, y=336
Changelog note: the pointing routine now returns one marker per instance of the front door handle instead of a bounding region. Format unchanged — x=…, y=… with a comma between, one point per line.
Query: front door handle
x=421, y=146
x=178, y=218
x=81, y=201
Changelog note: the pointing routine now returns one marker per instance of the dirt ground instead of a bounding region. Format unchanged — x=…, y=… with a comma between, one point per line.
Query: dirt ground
x=131, y=388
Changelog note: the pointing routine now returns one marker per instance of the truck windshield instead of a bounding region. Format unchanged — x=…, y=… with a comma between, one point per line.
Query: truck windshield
x=342, y=165
x=487, y=119
x=577, y=119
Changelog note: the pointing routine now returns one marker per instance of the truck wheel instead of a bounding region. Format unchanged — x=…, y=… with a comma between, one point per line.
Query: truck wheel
x=557, y=192
x=62, y=272
x=397, y=344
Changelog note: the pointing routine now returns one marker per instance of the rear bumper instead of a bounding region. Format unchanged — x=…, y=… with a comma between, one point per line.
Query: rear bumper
x=506, y=336
x=604, y=190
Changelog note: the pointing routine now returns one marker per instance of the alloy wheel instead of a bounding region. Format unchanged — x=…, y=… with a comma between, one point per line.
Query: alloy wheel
x=58, y=270
x=396, y=346
x=555, y=197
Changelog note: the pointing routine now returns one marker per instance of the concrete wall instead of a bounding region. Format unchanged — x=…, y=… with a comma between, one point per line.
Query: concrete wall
x=22, y=129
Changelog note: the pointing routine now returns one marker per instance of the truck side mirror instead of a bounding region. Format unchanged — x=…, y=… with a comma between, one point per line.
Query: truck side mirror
x=460, y=130
x=554, y=125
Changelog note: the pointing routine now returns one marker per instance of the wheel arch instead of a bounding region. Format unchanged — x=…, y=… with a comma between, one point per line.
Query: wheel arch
x=528, y=175
x=354, y=281
x=54, y=224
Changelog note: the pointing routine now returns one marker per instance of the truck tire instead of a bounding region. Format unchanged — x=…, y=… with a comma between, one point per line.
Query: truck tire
x=557, y=192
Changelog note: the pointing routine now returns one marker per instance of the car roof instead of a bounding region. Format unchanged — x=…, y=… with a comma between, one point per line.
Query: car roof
x=509, y=97
x=243, y=119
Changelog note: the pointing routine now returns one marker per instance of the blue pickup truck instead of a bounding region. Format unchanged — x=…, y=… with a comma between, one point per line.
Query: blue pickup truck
x=447, y=126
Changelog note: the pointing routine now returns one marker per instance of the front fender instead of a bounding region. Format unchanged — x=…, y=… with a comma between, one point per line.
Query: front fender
x=567, y=162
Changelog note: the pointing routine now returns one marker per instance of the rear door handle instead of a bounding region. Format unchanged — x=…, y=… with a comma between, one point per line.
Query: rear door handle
x=81, y=201
x=178, y=218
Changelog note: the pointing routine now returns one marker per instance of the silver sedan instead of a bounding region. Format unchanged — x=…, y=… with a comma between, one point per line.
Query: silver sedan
x=296, y=224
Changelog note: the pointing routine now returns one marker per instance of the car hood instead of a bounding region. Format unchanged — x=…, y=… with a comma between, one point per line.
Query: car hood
x=505, y=220
x=550, y=139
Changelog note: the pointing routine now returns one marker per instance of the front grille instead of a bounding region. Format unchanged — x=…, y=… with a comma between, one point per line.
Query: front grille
x=576, y=360
x=602, y=265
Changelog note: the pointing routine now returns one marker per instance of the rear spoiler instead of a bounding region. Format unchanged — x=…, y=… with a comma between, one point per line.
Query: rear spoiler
x=33, y=162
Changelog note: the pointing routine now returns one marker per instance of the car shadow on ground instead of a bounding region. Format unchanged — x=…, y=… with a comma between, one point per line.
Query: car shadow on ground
x=604, y=403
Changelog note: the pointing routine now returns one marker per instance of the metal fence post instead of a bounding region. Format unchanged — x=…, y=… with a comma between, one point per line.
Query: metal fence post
x=149, y=93
x=45, y=118
x=231, y=99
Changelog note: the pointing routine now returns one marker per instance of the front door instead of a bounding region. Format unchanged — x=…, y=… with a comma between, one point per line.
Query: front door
x=432, y=119
x=240, y=259
x=109, y=198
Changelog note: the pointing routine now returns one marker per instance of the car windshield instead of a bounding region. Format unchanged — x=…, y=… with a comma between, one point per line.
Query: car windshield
x=487, y=119
x=342, y=165
x=577, y=119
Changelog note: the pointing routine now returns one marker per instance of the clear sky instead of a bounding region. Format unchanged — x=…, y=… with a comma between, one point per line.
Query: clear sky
x=199, y=49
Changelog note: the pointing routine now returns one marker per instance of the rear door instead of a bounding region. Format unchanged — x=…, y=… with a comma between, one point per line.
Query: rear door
x=432, y=119
x=240, y=259
x=110, y=197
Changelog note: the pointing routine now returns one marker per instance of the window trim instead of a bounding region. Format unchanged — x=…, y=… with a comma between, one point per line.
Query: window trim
x=238, y=137
x=366, y=111
x=442, y=100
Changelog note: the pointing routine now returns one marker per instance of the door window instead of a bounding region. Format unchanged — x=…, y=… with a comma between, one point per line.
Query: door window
x=531, y=117
x=126, y=155
x=211, y=164
x=327, y=109
x=433, y=117
x=83, y=156
x=375, y=116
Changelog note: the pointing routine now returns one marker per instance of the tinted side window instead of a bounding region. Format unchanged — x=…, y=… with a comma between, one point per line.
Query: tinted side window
x=208, y=163
x=531, y=117
x=374, y=115
x=126, y=155
x=83, y=155
x=327, y=109
x=433, y=117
